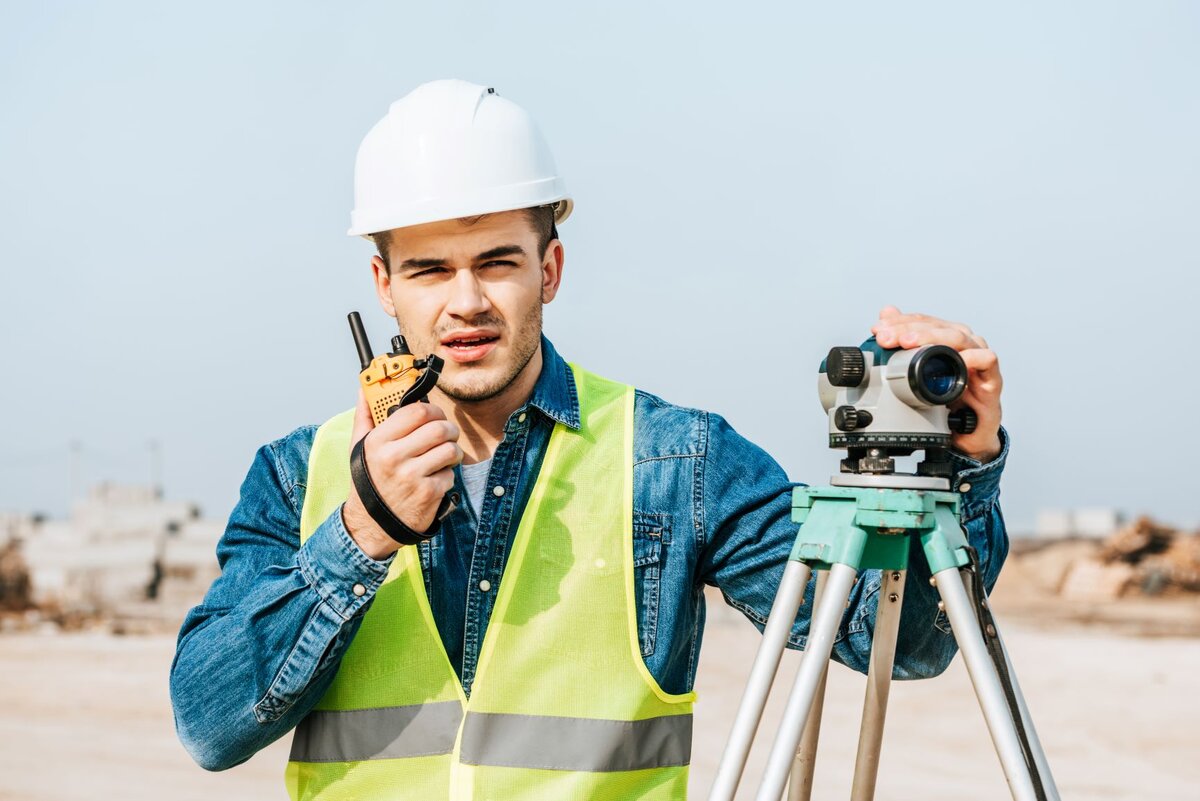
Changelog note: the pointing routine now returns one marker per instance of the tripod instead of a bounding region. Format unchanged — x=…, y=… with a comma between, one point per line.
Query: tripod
x=866, y=522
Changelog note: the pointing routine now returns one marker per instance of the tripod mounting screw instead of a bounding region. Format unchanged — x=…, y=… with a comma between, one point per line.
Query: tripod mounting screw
x=845, y=367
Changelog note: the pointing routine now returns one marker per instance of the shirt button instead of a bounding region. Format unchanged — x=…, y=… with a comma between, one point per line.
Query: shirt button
x=359, y=590
x=964, y=487
x=485, y=585
x=498, y=491
x=521, y=417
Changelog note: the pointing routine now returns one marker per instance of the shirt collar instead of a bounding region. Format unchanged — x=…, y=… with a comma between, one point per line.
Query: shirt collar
x=554, y=394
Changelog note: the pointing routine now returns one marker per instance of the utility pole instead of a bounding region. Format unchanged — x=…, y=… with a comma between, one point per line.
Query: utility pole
x=75, y=485
x=156, y=467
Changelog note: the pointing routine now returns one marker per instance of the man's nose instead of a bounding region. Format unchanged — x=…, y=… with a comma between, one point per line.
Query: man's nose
x=467, y=298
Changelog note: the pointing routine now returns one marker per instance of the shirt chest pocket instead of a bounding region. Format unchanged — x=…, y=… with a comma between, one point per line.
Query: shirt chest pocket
x=651, y=534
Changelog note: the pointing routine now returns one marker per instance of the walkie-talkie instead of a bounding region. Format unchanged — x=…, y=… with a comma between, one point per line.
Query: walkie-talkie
x=389, y=382
x=394, y=379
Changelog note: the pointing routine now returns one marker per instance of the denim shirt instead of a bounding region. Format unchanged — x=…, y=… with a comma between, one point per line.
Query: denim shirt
x=710, y=508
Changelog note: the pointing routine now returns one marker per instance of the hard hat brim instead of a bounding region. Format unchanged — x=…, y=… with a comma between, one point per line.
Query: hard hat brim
x=380, y=220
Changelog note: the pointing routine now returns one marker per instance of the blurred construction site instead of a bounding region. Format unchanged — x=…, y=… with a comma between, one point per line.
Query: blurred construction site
x=127, y=560
x=1102, y=617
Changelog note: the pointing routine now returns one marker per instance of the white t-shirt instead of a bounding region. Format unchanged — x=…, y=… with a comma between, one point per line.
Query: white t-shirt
x=474, y=480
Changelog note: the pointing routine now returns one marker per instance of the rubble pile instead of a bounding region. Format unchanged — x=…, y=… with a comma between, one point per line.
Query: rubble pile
x=15, y=591
x=1145, y=557
x=126, y=559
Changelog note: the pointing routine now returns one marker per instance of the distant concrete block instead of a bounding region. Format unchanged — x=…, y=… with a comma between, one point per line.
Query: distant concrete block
x=1092, y=523
x=1053, y=524
x=1091, y=580
x=1096, y=523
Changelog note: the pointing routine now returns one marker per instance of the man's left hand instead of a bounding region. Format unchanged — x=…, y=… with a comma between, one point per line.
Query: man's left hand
x=898, y=330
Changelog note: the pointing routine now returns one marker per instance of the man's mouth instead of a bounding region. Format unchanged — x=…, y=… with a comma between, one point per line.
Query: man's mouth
x=469, y=346
x=468, y=341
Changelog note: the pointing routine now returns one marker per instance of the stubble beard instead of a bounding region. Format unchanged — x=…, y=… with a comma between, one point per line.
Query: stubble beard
x=480, y=386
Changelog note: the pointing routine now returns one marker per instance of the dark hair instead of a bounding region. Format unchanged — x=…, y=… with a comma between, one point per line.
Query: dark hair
x=541, y=219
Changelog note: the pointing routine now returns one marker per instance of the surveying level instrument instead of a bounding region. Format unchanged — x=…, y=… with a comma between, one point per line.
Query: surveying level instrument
x=881, y=404
x=389, y=382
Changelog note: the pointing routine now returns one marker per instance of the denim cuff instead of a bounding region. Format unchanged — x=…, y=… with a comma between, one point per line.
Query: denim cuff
x=333, y=565
x=979, y=483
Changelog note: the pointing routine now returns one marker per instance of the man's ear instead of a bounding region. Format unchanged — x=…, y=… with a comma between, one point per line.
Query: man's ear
x=383, y=286
x=552, y=267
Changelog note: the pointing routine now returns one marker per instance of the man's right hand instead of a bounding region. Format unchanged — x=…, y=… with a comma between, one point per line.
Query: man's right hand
x=411, y=457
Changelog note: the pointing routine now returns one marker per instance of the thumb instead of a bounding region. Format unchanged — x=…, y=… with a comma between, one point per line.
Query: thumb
x=982, y=360
x=363, y=422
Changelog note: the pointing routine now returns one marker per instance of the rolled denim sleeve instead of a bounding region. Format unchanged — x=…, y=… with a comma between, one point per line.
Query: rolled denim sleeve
x=746, y=502
x=255, y=656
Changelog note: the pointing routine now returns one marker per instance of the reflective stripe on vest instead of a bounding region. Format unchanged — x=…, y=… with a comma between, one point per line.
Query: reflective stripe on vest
x=540, y=741
x=558, y=710
x=514, y=741
x=392, y=732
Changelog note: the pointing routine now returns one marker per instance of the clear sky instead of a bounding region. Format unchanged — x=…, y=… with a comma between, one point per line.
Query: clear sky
x=752, y=184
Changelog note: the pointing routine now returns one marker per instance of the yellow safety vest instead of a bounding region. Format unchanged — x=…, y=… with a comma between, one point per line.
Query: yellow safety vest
x=562, y=708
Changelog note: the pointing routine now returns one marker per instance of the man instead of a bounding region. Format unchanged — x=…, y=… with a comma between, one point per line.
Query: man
x=541, y=641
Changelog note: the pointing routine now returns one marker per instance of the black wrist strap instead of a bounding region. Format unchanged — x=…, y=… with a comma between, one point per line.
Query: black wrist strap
x=393, y=526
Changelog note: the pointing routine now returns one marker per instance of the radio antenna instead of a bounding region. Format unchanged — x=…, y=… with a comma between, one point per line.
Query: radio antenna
x=360, y=340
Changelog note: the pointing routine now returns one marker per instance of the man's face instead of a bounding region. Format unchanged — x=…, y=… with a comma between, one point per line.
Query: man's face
x=472, y=294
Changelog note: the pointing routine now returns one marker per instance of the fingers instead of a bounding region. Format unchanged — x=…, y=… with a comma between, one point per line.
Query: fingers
x=362, y=419
x=408, y=419
x=432, y=435
x=926, y=334
x=911, y=331
x=438, y=460
x=889, y=312
x=983, y=362
x=410, y=458
x=401, y=423
x=984, y=383
x=896, y=329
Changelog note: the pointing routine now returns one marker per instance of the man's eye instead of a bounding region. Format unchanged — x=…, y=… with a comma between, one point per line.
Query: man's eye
x=500, y=263
x=428, y=272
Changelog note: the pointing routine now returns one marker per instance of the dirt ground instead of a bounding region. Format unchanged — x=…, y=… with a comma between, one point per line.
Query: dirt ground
x=87, y=716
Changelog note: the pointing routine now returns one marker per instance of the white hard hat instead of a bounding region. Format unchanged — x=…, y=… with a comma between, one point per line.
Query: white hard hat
x=452, y=149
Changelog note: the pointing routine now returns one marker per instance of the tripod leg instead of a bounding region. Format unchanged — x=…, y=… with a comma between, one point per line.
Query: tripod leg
x=762, y=676
x=822, y=632
x=986, y=682
x=879, y=683
x=801, y=781
x=1039, y=755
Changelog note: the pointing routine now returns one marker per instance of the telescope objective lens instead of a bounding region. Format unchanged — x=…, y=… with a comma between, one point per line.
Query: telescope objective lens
x=938, y=375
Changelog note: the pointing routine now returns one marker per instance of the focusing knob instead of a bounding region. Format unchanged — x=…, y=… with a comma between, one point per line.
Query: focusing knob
x=963, y=421
x=847, y=418
x=845, y=367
